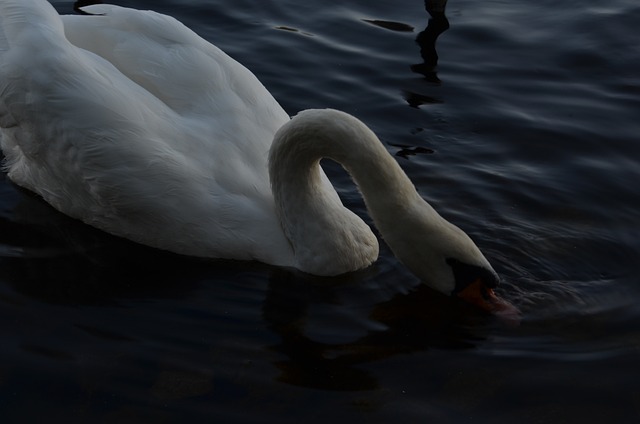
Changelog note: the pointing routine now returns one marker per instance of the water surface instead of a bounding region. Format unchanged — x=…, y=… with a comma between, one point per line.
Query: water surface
x=525, y=135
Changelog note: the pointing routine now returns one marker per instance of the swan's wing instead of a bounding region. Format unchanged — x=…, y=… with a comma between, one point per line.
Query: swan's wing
x=172, y=62
x=91, y=142
x=188, y=74
x=67, y=116
x=101, y=148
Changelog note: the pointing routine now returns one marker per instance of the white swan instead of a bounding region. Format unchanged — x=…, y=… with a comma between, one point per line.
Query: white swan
x=130, y=122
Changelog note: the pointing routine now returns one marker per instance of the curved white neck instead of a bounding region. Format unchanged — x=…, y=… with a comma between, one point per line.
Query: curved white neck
x=327, y=238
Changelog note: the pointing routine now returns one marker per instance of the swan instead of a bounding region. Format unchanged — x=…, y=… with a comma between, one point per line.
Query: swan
x=130, y=122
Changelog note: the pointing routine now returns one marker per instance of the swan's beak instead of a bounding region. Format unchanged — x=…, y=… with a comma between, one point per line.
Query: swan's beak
x=477, y=293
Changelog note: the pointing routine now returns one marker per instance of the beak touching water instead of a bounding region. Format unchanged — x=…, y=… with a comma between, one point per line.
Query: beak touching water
x=478, y=294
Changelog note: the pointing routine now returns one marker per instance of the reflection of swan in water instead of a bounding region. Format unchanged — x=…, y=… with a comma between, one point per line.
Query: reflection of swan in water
x=427, y=39
x=405, y=323
x=133, y=124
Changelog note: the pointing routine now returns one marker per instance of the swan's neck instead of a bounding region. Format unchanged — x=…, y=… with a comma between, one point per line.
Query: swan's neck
x=328, y=238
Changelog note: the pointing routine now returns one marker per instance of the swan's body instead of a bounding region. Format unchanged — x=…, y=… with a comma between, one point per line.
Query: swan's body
x=132, y=123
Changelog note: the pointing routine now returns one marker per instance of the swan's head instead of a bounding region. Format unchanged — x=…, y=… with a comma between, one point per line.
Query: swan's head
x=475, y=283
x=445, y=258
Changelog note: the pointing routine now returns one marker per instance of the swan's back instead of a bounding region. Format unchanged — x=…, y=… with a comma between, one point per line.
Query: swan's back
x=141, y=129
x=172, y=62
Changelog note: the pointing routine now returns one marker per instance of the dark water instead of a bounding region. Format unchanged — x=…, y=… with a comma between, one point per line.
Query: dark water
x=526, y=136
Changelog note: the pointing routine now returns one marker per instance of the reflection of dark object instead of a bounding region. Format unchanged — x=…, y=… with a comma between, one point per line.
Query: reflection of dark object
x=427, y=39
x=416, y=100
x=407, y=150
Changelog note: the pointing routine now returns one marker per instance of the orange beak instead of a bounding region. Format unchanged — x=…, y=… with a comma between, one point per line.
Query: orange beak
x=478, y=294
